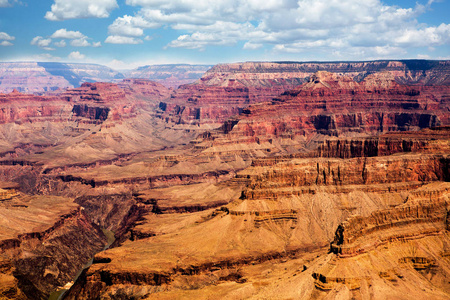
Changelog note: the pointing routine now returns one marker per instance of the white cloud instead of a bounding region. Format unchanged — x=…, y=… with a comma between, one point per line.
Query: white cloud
x=76, y=55
x=75, y=9
x=340, y=27
x=80, y=43
x=42, y=42
x=117, y=39
x=6, y=3
x=252, y=46
x=77, y=40
x=65, y=34
x=388, y=51
x=6, y=37
x=60, y=44
x=199, y=40
x=130, y=26
x=429, y=36
x=6, y=43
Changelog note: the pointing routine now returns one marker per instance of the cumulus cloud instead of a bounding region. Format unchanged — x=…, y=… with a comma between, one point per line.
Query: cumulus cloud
x=80, y=43
x=130, y=26
x=425, y=37
x=117, y=39
x=60, y=44
x=67, y=34
x=6, y=43
x=332, y=26
x=75, y=9
x=199, y=40
x=77, y=40
x=76, y=55
x=42, y=42
x=5, y=36
x=252, y=46
x=6, y=3
x=5, y=39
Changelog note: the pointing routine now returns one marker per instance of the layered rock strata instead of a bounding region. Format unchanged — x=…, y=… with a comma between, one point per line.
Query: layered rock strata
x=334, y=105
x=226, y=90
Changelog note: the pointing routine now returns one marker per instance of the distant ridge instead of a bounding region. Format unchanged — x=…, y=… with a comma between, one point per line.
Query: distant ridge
x=422, y=72
x=170, y=75
x=39, y=77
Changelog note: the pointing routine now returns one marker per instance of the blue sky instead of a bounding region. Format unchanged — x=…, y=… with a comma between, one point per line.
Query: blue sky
x=131, y=33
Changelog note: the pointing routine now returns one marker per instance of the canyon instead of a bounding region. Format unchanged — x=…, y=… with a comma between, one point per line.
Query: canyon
x=276, y=180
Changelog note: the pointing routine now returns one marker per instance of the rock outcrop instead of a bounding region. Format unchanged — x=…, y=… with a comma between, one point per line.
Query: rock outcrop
x=409, y=221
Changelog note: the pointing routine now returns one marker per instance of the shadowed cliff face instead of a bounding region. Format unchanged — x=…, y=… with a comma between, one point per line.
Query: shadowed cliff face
x=271, y=203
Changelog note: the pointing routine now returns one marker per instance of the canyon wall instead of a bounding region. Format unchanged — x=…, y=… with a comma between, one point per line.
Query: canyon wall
x=336, y=105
